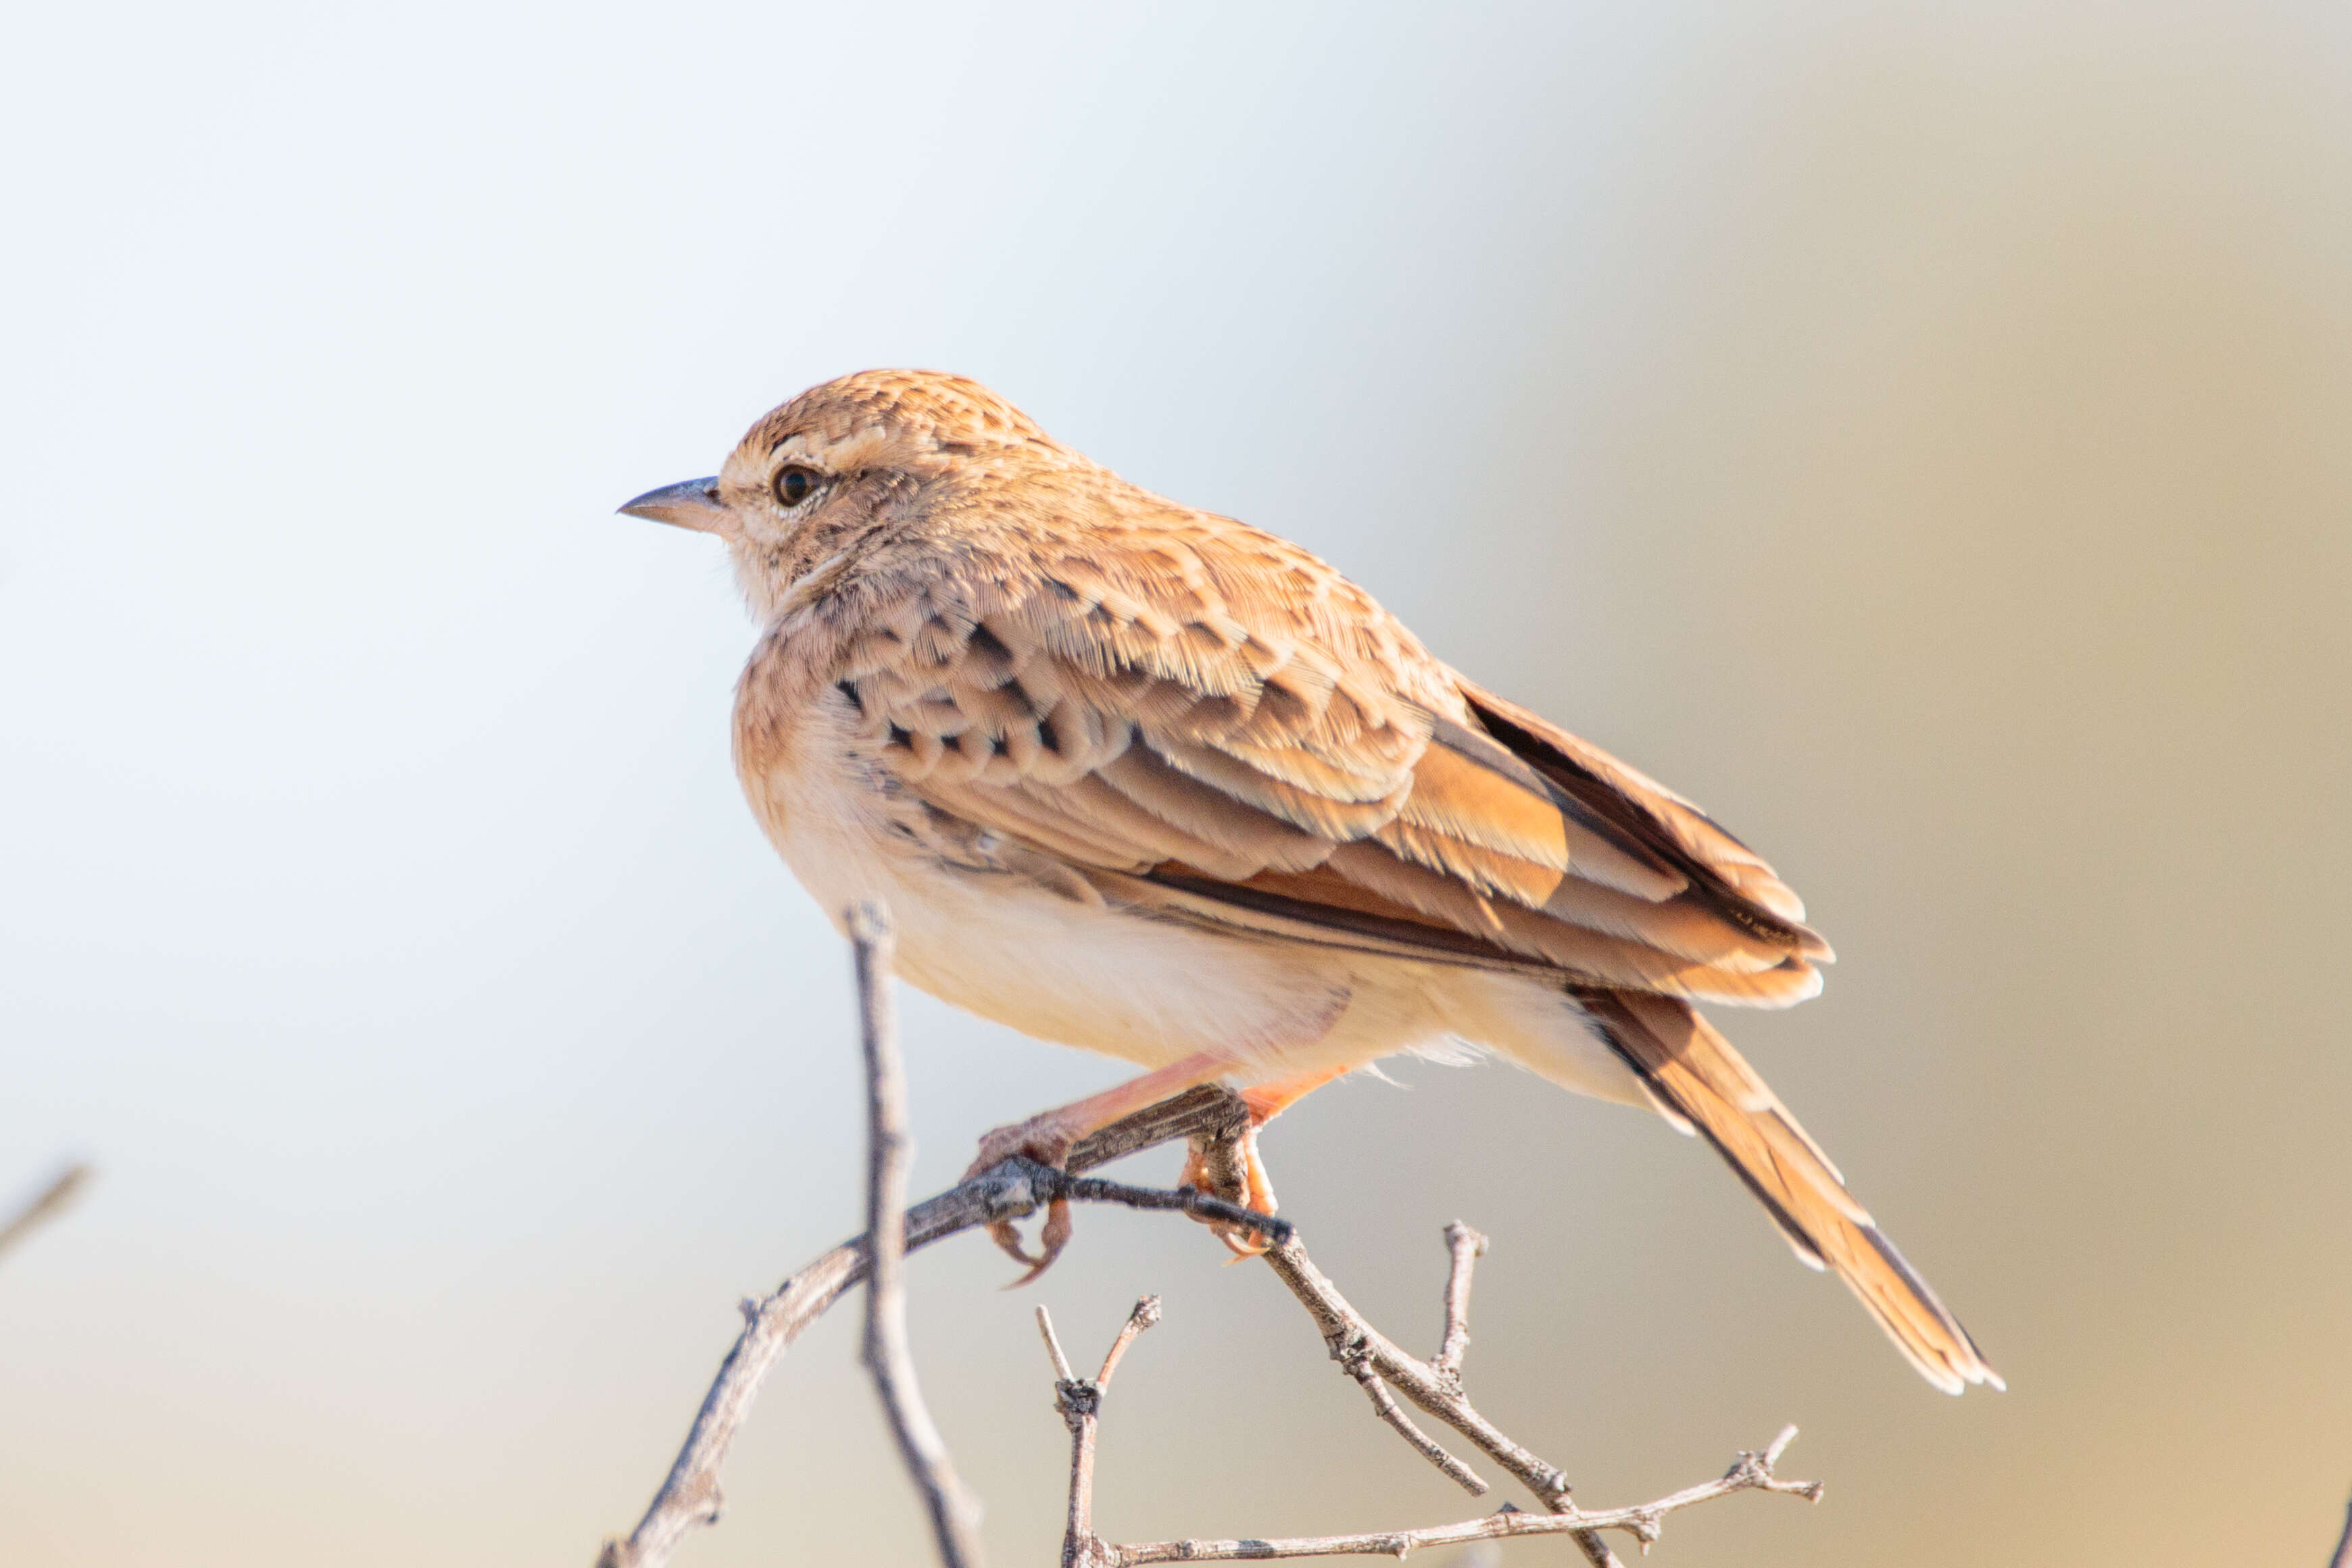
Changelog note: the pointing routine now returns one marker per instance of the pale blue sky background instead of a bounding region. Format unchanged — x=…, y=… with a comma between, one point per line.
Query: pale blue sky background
x=1919, y=437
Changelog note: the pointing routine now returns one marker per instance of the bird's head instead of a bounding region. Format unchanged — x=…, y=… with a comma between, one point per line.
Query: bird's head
x=818, y=474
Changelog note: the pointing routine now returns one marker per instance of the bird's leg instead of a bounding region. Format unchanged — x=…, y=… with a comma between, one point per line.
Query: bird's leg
x=1048, y=1137
x=1250, y=1187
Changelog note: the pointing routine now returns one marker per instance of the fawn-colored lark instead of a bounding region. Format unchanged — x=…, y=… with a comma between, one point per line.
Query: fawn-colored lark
x=1150, y=782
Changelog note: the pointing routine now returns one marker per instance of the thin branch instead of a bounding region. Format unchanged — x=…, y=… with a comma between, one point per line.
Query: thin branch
x=1385, y=1406
x=1180, y=1200
x=1467, y=1246
x=2343, y=1558
x=955, y=1513
x=1748, y=1472
x=1214, y=1118
x=1062, y=1372
x=45, y=1205
x=1360, y=1349
x=690, y=1496
x=1080, y=1404
x=1353, y=1342
x=1144, y=1315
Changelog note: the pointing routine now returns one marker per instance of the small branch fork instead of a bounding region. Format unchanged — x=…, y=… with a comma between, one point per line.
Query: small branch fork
x=689, y=1497
x=1214, y=1118
x=1080, y=1403
x=1377, y=1363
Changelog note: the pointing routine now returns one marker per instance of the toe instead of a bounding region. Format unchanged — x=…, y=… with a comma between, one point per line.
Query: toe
x=1237, y=1175
x=1040, y=1138
x=1008, y=1240
x=1259, y=1195
x=1051, y=1239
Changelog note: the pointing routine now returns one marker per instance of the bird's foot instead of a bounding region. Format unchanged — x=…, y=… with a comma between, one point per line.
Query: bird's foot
x=1046, y=1138
x=1231, y=1172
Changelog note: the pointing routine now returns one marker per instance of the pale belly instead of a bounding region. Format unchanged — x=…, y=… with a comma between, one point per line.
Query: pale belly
x=1104, y=978
x=1054, y=967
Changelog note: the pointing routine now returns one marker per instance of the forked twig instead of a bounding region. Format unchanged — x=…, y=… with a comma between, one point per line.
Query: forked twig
x=1213, y=1119
x=1361, y=1349
x=1748, y=1472
x=689, y=1497
x=1080, y=1403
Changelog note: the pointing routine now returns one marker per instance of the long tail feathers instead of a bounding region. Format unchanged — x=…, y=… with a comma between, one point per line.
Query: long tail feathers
x=1697, y=1077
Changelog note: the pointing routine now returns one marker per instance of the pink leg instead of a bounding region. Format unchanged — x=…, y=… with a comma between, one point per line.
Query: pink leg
x=1048, y=1136
x=1265, y=1101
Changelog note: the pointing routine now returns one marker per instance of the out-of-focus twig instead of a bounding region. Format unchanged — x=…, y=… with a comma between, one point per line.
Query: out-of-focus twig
x=1375, y=1359
x=955, y=1515
x=1080, y=1404
x=1748, y=1472
x=45, y=1205
x=689, y=1497
x=1215, y=1119
x=2343, y=1558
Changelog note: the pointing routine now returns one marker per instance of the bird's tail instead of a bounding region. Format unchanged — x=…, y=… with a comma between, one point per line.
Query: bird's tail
x=1697, y=1078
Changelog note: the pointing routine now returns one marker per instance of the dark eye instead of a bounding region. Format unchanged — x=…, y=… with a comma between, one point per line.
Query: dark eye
x=793, y=483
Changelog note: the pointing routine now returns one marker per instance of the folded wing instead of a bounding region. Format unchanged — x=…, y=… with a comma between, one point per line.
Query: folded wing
x=1194, y=740
x=1240, y=739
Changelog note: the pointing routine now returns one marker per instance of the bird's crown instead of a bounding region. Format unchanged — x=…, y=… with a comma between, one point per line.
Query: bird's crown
x=952, y=410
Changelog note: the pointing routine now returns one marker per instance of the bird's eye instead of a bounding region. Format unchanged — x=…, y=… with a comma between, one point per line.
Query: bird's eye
x=793, y=483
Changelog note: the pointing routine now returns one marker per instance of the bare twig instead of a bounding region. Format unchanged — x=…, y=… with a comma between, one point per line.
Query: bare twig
x=690, y=1496
x=1363, y=1351
x=1385, y=1406
x=2343, y=1558
x=1079, y=1402
x=1145, y=1314
x=1062, y=1372
x=1214, y=1118
x=1467, y=1246
x=1181, y=1200
x=955, y=1514
x=45, y=1205
x=1748, y=1472
x=1353, y=1342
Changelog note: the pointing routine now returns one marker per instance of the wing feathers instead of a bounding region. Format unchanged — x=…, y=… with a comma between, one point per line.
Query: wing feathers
x=1455, y=793
x=1211, y=816
x=1212, y=727
x=1655, y=816
x=1119, y=728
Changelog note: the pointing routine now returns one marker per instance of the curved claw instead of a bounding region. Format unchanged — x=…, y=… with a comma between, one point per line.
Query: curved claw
x=1051, y=1239
x=1047, y=1141
x=1007, y=1236
x=1254, y=1190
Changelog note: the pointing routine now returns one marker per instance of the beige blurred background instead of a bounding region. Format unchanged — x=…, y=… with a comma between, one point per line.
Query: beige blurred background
x=1920, y=435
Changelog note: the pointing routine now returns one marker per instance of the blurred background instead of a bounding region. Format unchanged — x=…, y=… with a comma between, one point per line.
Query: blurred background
x=1919, y=437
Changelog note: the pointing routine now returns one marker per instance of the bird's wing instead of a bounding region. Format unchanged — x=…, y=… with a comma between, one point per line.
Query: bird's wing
x=1231, y=734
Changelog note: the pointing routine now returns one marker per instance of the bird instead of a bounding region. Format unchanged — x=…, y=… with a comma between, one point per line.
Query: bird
x=1153, y=783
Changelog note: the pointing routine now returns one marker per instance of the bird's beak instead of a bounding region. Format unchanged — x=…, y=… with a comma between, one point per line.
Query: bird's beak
x=694, y=504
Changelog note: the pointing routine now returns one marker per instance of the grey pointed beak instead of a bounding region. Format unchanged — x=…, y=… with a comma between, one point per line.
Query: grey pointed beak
x=694, y=504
